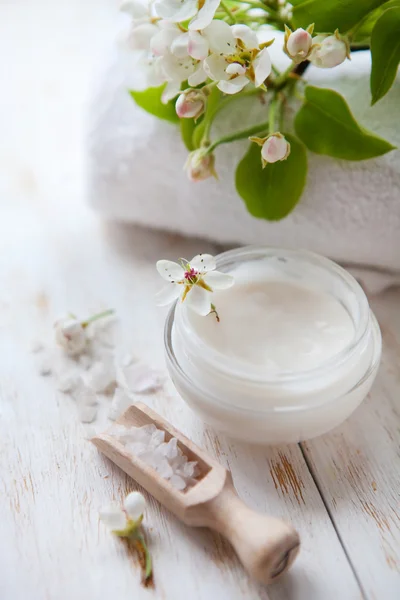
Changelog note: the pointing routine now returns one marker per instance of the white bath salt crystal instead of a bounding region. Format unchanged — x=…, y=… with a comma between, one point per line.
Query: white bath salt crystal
x=136, y=448
x=36, y=346
x=157, y=438
x=177, y=482
x=85, y=396
x=68, y=382
x=164, y=469
x=89, y=431
x=85, y=361
x=101, y=376
x=188, y=470
x=120, y=402
x=171, y=450
x=87, y=413
x=45, y=365
x=139, y=378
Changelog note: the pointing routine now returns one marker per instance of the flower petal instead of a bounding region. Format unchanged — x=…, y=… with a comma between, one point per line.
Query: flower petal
x=215, y=65
x=205, y=14
x=171, y=90
x=177, y=69
x=236, y=69
x=197, y=46
x=203, y=263
x=175, y=10
x=179, y=46
x=134, y=8
x=234, y=85
x=199, y=300
x=262, y=67
x=113, y=517
x=218, y=280
x=170, y=270
x=161, y=42
x=168, y=294
x=220, y=38
x=199, y=76
x=134, y=505
x=141, y=36
x=246, y=35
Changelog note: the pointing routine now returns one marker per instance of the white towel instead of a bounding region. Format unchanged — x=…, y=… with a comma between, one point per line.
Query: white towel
x=350, y=211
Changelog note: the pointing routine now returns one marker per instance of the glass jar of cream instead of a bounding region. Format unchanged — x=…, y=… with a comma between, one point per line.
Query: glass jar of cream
x=295, y=352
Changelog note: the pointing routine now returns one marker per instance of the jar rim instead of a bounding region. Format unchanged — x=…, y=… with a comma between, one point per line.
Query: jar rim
x=213, y=357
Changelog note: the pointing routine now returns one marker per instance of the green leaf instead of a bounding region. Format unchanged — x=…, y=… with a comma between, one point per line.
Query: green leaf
x=385, y=52
x=272, y=193
x=326, y=126
x=198, y=134
x=329, y=15
x=150, y=101
x=187, y=128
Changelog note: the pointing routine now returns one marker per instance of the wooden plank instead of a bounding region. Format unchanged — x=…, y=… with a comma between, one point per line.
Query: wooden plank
x=53, y=482
x=357, y=468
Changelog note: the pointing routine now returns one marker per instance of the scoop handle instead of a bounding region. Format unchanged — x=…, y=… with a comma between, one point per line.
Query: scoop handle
x=265, y=546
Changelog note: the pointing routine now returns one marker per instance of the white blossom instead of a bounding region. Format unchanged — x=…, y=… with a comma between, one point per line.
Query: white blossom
x=238, y=60
x=71, y=336
x=192, y=281
x=328, y=51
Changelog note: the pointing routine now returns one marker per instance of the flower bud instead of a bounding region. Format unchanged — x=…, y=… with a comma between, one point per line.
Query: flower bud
x=71, y=336
x=191, y=104
x=298, y=43
x=200, y=166
x=134, y=505
x=328, y=52
x=273, y=148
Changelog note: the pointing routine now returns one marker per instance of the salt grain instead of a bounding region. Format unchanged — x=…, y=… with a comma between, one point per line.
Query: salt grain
x=101, y=376
x=87, y=413
x=138, y=378
x=148, y=444
x=120, y=403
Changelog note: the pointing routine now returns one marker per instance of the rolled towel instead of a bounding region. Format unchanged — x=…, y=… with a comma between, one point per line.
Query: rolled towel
x=349, y=211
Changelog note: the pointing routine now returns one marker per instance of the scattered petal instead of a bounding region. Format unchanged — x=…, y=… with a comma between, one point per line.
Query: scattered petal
x=113, y=517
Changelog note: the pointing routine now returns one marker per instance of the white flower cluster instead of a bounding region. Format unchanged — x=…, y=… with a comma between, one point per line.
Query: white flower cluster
x=182, y=41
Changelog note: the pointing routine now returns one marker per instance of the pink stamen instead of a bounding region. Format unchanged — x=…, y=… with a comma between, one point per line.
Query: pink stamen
x=191, y=274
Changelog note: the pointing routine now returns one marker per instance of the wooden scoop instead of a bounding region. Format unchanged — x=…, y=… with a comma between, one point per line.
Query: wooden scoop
x=266, y=546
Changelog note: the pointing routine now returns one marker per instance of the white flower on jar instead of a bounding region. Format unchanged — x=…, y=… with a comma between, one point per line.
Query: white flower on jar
x=192, y=282
x=200, y=166
x=274, y=148
x=201, y=13
x=298, y=43
x=238, y=60
x=124, y=520
x=329, y=51
x=71, y=336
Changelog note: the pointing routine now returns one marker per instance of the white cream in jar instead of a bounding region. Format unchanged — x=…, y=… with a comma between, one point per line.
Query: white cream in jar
x=294, y=353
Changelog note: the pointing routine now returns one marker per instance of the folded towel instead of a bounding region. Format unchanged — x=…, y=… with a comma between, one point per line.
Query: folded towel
x=350, y=211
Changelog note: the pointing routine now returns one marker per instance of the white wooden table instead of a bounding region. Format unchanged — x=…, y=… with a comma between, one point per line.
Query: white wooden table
x=341, y=491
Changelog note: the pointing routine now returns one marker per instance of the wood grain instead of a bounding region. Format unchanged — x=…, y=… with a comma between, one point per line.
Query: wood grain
x=357, y=468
